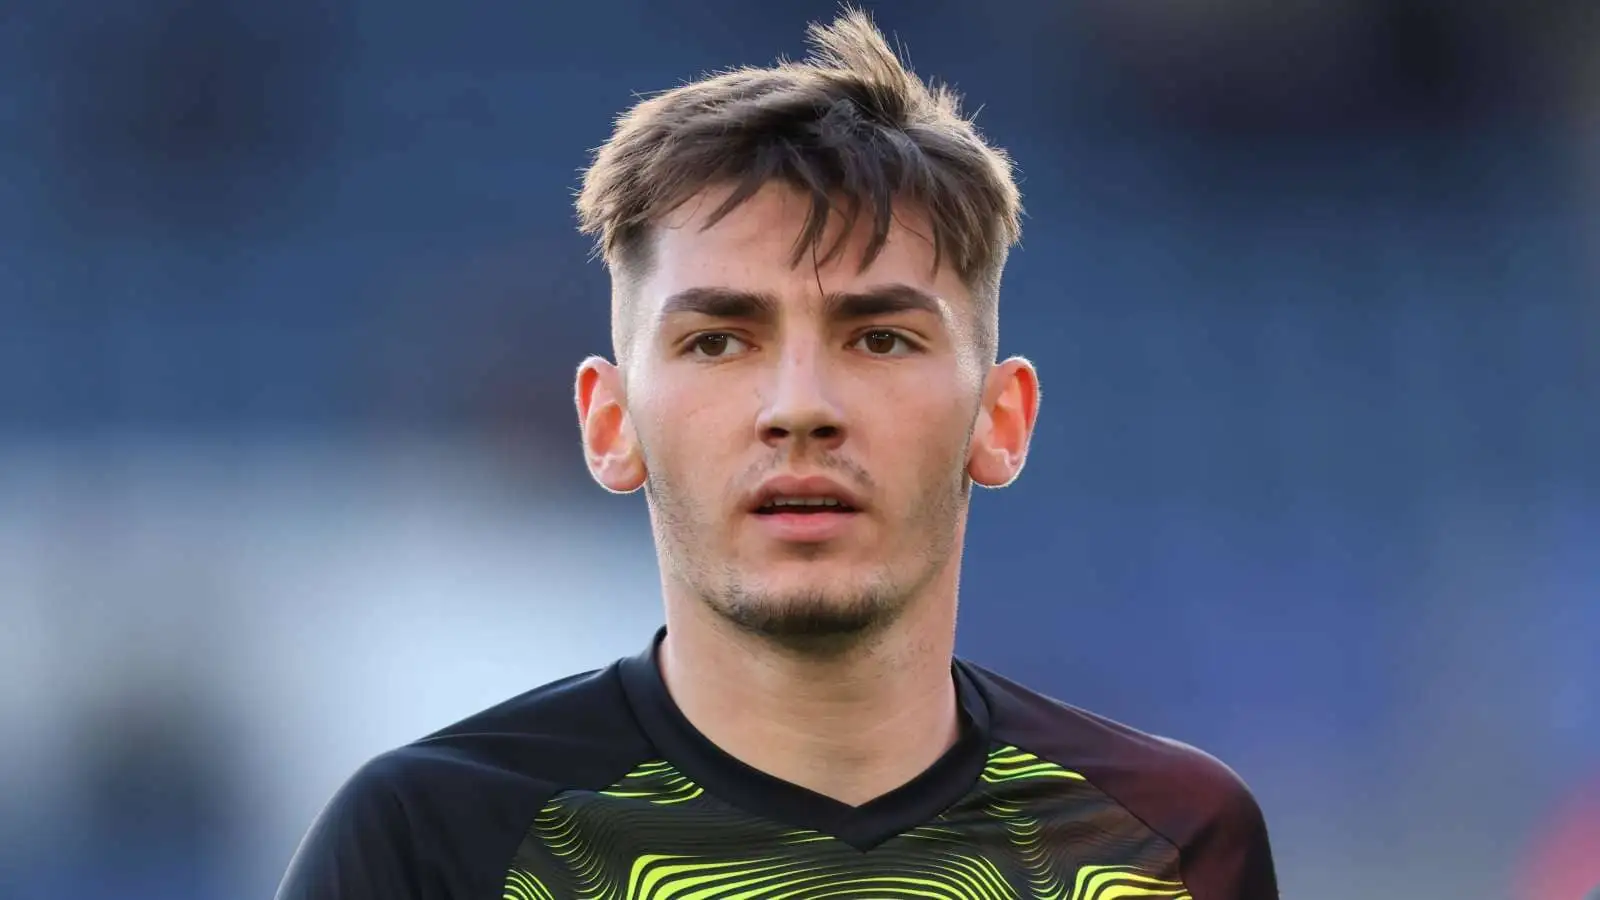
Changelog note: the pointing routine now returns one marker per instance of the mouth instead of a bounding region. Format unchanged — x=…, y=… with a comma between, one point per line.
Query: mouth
x=806, y=511
x=803, y=506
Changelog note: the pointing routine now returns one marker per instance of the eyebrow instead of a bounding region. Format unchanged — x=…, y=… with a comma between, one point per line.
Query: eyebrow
x=756, y=306
x=721, y=303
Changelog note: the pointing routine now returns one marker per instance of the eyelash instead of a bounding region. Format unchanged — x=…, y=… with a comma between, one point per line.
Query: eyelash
x=911, y=346
x=693, y=343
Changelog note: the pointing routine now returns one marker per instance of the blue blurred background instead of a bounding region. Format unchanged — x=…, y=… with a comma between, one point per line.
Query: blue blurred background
x=290, y=299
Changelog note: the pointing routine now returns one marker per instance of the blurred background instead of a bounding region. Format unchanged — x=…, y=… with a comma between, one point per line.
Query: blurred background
x=290, y=300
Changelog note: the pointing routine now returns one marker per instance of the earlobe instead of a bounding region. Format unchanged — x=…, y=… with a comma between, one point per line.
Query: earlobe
x=610, y=448
x=1005, y=424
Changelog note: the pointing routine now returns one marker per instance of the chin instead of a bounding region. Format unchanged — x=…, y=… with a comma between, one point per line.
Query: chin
x=809, y=613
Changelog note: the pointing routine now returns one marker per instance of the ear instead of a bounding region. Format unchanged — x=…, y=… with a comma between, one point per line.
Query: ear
x=1005, y=423
x=610, y=446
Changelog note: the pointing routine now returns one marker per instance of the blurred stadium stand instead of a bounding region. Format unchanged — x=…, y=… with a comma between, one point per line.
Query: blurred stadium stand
x=290, y=299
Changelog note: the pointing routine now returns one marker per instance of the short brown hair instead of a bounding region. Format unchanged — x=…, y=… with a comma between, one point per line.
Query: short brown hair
x=850, y=122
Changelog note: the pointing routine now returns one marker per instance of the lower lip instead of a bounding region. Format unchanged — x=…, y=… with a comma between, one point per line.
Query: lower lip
x=805, y=527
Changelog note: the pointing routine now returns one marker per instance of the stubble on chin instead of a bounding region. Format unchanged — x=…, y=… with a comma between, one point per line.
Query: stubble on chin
x=809, y=621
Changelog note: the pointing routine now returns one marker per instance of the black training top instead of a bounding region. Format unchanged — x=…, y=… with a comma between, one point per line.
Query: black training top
x=596, y=786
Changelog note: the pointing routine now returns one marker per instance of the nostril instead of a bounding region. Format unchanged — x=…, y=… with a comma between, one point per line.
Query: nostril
x=825, y=432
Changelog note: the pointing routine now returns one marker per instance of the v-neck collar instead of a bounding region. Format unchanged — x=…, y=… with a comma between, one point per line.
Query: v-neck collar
x=918, y=801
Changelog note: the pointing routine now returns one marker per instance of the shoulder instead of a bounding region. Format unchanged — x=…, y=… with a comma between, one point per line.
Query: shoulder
x=575, y=733
x=452, y=806
x=1182, y=793
x=1103, y=749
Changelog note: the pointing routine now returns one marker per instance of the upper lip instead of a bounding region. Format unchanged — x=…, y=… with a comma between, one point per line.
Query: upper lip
x=809, y=486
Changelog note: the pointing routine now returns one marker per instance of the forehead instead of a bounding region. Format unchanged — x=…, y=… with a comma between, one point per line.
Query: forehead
x=753, y=248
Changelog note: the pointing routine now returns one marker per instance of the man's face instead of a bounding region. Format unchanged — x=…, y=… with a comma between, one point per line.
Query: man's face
x=804, y=431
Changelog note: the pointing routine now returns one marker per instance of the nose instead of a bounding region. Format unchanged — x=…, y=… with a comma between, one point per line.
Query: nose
x=800, y=407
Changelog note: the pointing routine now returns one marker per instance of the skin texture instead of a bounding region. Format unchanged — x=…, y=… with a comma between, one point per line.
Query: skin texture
x=826, y=663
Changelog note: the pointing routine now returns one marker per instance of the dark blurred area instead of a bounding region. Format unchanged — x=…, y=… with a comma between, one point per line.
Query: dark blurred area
x=291, y=296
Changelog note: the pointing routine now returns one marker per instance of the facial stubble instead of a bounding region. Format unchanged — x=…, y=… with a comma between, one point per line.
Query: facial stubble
x=821, y=619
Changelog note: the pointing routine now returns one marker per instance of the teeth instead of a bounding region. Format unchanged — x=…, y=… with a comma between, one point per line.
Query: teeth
x=801, y=501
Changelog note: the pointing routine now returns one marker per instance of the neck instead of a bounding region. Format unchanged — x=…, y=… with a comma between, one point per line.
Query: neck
x=852, y=726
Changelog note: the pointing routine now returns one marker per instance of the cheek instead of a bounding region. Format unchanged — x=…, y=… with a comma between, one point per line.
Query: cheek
x=922, y=444
x=930, y=412
x=691, y=429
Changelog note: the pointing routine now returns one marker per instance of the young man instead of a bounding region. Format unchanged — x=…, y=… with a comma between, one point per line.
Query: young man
x=805, y=263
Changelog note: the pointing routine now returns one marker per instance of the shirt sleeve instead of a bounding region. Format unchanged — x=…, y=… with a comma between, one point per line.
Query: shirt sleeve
x=359, y=847
x=1230, y=856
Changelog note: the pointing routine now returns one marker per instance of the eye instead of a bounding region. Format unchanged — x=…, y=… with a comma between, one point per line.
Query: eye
x=715, y=344
x=884, y=343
